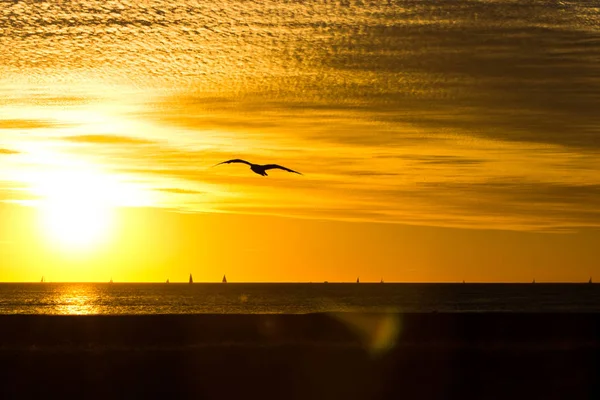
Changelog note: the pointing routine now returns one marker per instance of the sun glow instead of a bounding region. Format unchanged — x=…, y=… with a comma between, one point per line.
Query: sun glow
x=77, y=206
x=76, y=221
x=74, y=208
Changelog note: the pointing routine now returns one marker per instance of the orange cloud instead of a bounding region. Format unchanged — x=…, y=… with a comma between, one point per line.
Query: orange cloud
x=9, y=151
x=106, y=139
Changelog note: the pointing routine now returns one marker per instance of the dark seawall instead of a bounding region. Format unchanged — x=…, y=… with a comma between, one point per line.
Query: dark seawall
x=313, y=356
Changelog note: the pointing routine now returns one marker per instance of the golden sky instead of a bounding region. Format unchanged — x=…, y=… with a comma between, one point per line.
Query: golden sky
x=437, y=143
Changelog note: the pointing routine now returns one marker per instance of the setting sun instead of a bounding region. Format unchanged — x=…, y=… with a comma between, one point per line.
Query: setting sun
x=75, y=208
x=75, y=221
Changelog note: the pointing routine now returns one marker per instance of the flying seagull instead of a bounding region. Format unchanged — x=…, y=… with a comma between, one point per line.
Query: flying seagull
x=257, y=168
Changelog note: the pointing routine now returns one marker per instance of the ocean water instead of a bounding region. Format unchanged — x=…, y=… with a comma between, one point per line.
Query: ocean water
x=251, y=298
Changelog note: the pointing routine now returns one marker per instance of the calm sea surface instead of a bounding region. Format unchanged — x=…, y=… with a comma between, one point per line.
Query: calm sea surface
x=180, y=298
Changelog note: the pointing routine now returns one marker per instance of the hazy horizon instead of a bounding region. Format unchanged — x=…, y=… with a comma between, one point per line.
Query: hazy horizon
x=348, y=282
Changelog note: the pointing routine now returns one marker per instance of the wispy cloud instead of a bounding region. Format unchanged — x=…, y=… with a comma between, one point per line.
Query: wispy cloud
x=15, y=194
x=435, y=159
x=107, y=139
x=372, y=173
x=26, y=124
x=8, y=151
x=179, y=191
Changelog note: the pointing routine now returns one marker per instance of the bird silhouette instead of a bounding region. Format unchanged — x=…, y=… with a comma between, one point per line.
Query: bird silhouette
x=257, y=168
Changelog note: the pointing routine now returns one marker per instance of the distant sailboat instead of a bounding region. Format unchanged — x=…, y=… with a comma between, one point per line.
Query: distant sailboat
x=590, y=281
x=224, y=279
x=357, y=280
x=191, y=280
x=533, y=281
x=111, y=280
x=42, y=281
x=381, y=280
x=167, y=280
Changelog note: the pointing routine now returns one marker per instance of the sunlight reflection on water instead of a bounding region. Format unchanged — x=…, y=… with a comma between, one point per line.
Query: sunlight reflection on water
x=77, y=300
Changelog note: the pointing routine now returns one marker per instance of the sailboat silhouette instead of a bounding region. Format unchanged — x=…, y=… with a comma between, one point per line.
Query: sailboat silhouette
x=167, y=280
x=110, y=280
x=191, y=280
x=224, y=279
x=357, y=280
x=590, y=281
x=42, y=281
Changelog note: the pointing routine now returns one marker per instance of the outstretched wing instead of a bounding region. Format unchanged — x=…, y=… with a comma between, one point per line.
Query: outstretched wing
x=275, y=166
x=235, y=160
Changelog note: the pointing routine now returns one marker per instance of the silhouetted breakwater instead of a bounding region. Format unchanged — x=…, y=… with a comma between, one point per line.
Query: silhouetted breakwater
x=313, y=356
x=270, y=329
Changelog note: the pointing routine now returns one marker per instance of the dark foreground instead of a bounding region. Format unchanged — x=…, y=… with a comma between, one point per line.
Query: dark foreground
x=347, y=356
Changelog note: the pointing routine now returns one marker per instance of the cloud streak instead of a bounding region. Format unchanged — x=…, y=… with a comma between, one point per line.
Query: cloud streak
x=27, y=124
x=8, y=151
x=107, y=139
x=179, y=191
